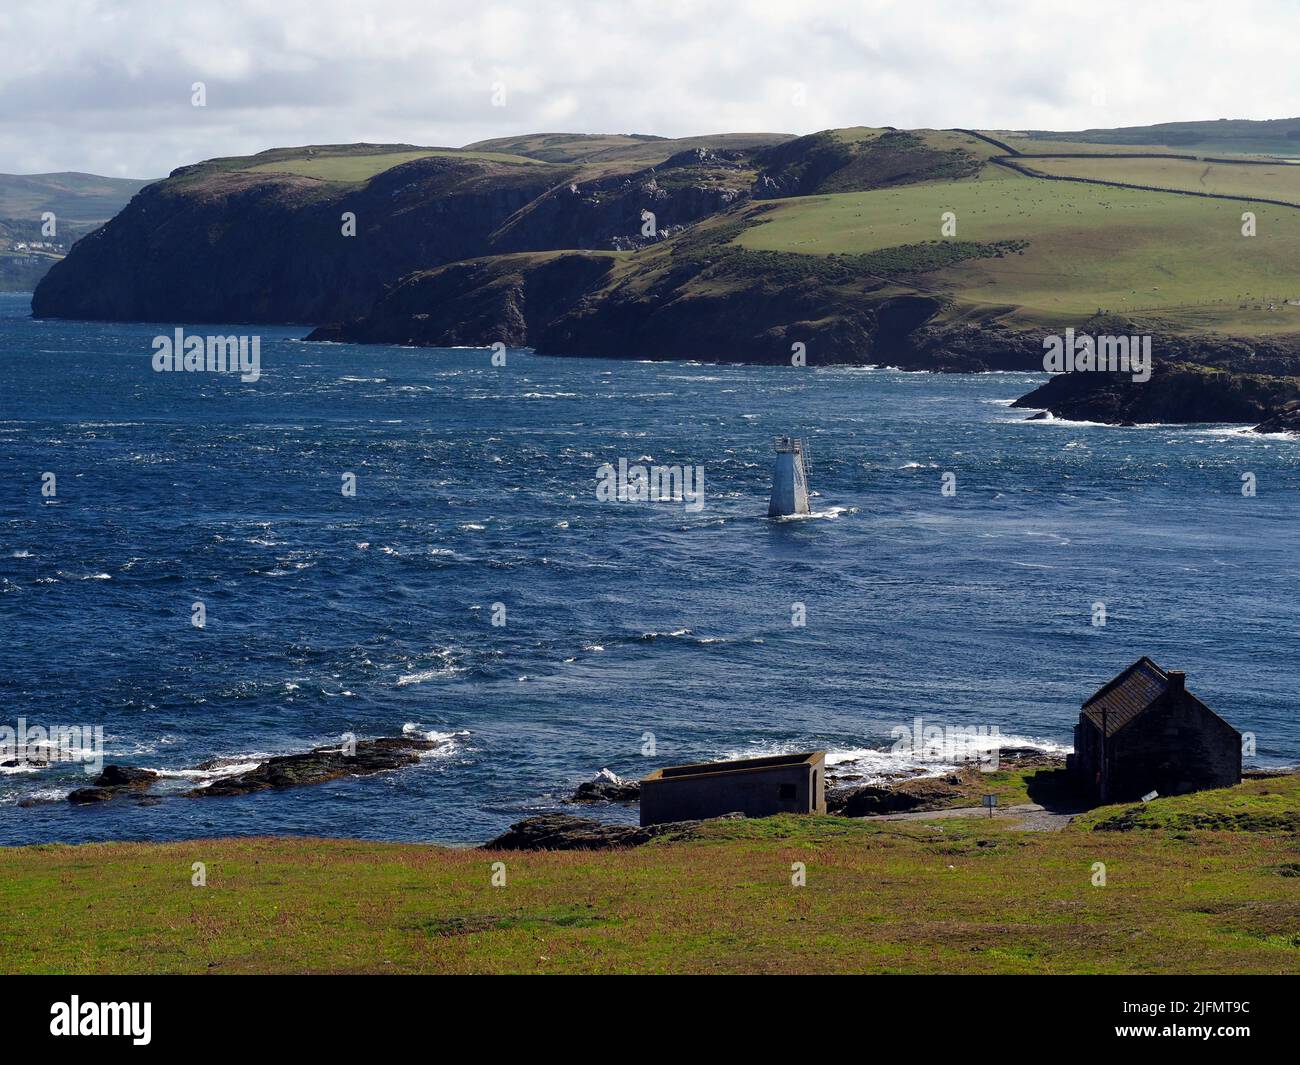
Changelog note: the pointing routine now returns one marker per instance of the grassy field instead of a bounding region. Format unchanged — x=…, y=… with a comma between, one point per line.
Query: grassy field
x=962, y=896
x=1215, y=137
x=1126, y=251
x=1273, y=181
x=1022, y=142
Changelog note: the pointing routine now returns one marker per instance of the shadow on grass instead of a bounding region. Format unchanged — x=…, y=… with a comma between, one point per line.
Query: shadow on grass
x=1056, y=791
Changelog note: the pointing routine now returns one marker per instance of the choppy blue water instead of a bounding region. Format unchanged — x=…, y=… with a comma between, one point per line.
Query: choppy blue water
x=476, y=485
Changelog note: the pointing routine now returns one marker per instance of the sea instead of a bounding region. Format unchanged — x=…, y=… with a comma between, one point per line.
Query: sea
x=379, y=541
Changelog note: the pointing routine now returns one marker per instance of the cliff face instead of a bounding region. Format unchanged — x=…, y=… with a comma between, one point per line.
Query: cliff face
x=686, y=316
x=590, y=304
x=259, y=247
x=260, y=239
x=508, y=299
x=606, y=212
x=216, y=243
x=674, y=307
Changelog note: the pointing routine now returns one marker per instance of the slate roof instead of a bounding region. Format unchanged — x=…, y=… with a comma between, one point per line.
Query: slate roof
x=1127, y=696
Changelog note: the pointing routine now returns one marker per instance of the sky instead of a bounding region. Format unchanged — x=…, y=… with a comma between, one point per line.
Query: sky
x=107, y=86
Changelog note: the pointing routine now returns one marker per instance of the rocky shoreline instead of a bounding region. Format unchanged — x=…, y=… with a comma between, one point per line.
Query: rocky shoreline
x=847, y=795
x=1177, y=393
x=573, y=304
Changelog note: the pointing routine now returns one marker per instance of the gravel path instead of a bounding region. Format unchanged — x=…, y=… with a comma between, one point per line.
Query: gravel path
x=1027, y=817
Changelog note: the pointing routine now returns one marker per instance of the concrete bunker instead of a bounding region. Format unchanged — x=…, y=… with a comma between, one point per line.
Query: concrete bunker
x=755, y=787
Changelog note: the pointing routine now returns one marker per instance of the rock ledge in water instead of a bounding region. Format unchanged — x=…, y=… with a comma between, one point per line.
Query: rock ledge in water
x=285, y=771
x=113, y=780
x=607, y=786
x=321, y=764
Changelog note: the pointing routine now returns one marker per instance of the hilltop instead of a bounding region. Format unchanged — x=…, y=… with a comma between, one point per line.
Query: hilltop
x=79, y=202
x=935, y=249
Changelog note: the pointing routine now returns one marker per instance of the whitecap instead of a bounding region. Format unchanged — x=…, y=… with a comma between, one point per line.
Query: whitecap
x=421, y=676
x=827, y=515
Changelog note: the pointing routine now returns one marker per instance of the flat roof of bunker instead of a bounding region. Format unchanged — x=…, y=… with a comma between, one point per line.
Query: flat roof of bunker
x=739, y=765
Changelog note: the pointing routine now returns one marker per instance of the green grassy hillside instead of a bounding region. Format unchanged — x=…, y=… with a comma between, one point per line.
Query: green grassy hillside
x=1273, y=136
x=72, y=197
x=958, y=895
x=1273, y=181
x=1182, y=259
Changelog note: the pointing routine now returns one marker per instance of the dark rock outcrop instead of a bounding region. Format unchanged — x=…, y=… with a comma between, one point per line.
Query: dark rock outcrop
x=1177, y=393
x=321, y=764
x=507, y=299
x=1287, y=420
x=607, y=787
x=86, y=796
x=286, y=771
x=122, y=776
x=868, y=800
x=113, y=782
x=961, y=787
x=561, y=832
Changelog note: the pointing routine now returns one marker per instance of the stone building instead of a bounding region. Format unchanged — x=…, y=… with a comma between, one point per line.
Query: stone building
x=1145, y=732
x=755, y=787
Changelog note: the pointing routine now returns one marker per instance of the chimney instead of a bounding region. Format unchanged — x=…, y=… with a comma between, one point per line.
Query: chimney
x=1177, y=682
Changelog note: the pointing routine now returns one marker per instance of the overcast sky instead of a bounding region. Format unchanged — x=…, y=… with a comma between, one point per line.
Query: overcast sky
x=105, y=85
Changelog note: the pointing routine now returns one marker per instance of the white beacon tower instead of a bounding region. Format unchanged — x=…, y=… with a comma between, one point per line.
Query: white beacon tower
x=789, y=478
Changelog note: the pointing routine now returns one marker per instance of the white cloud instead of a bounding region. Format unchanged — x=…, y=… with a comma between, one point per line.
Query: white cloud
x=104, y=85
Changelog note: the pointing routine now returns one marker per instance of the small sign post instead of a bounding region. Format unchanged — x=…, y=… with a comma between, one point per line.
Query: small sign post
x=1150, y=795
x=990, y=801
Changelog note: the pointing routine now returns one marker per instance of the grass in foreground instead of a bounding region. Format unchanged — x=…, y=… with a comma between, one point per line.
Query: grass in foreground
x=957, y=896
x=1259, y=804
